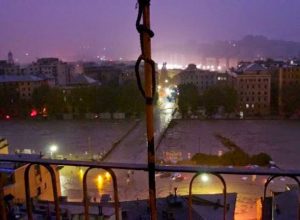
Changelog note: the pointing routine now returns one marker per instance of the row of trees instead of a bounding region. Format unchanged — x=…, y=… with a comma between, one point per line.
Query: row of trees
x=96, y=99
x=189, y=99
x=80, y=100
x=11, y=103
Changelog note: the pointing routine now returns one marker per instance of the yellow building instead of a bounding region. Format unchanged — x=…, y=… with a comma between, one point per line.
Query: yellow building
x=23, y=84
x=39, y=179
x=3, y=146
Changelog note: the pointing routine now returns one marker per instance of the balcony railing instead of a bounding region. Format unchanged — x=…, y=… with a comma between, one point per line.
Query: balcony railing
x=110, y=167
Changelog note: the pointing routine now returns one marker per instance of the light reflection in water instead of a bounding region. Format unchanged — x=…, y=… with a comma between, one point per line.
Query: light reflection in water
x=107, y=176
x=99, y=182
x=81, y=173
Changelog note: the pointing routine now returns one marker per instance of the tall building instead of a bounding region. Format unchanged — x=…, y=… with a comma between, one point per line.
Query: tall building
x=254, y=89
x=106, y=73
x=10, y=58
x=163, y=73
x=8, y=67
x=50, y=67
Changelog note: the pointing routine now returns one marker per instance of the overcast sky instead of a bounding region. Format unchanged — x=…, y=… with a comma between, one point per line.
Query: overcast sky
x=72, y=29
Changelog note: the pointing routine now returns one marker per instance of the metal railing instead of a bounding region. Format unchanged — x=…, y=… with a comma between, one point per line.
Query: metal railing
x=109, y=167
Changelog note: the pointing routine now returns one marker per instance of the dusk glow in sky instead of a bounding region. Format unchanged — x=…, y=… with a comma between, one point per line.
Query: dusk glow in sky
x=81, y=29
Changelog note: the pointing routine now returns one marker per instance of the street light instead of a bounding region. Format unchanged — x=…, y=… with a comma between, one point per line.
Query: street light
x=168, y=91
x=53, y=148
x=204, y=177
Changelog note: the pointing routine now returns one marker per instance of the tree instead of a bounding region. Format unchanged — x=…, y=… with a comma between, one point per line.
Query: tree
x=55, y=102
x=130, y=100
x=188, y=99
x=230, y=99
x=54, y=99
x=80, y=99
x=39, y=96
x=220, y=96
x=261, y=159
x=9, y=99
x=291, y=99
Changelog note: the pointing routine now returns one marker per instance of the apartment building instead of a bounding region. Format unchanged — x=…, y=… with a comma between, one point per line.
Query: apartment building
x=39, y=178
x=203, y=79
x=50, y=67
x=23, y=84
x=254, y=89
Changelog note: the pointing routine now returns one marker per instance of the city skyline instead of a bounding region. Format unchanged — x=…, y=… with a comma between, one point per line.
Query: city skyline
x=102, y=29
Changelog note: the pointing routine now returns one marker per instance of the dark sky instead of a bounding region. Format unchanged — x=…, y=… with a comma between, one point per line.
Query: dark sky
x=73, y=29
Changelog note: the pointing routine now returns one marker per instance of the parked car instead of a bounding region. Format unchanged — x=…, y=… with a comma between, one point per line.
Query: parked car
x=163, y=174
x=177, y=177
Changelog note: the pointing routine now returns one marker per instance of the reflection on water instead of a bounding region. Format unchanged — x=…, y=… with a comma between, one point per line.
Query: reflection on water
x=99, y=183
x=81, y=173
x=107, y=176
x=278, y=138
x=71, y=137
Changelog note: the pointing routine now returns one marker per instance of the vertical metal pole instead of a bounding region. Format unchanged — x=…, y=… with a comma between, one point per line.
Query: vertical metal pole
x=2, y=204
x=85, y=196
x=54, y=191
x=27, y=193
x=149, y=114
x=116, y=196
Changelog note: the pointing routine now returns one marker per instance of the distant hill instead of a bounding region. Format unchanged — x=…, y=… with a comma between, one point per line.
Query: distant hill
x=251, y=47
x=248, y=48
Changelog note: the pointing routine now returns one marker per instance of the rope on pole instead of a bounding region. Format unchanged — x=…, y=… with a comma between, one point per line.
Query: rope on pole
x=142, y=30
x=147, y=92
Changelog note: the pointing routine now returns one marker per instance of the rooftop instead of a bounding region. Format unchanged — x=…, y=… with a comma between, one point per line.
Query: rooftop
x=82, y=79
x=254, y=67
x=19, y=78
x=204, y=206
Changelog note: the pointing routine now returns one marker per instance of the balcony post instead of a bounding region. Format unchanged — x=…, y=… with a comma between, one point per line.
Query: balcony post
x=149, y=112
x=2, y=203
